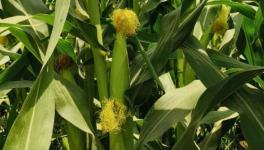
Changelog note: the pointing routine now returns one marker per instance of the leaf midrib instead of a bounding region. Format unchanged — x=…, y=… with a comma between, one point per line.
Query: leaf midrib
x=33, y=114
x=251, y=111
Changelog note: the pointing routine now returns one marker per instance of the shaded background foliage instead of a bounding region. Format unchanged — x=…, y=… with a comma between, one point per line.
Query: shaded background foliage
x=190, y=88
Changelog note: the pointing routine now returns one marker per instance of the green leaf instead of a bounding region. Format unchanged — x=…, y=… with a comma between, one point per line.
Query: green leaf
x=72, y=105
x=186, y=5
x=79, y=30
x=15, y=84
x=27, y=8
x=66, y=48
x=211, y=97
x=220, y=91
x=229, y=62
x=171, y=108
x=27, y=41
x=200, y=62
x=175, y=30
x=261, y=4
x=6, y=52
x=150, y=5
x=242, y=8
x=91, y=38
x=49, y=19
x=14, y=69
x=250, y=105
x=211, y=141
x=258, y=20
x=19, y=7
x=214, y=116
x=33, y=127
x=213, y=76
x=75, y=137
x=12, y=22
x=34, y=6
x=61, y=12
x=175, y=33
x=6, y=87
x=225, y=61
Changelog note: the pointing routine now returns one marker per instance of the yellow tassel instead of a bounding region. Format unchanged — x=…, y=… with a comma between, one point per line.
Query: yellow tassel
x=220, y=24
x=112, y=116
x=125, y=21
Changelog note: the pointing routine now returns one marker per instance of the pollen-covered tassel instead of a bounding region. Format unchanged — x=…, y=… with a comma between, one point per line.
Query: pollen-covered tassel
x=220, y=25
x=125, y=21
x=112, y=116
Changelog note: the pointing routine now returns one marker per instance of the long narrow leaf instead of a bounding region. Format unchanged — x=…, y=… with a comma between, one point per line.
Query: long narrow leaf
x=61, y=12
x=33, y=127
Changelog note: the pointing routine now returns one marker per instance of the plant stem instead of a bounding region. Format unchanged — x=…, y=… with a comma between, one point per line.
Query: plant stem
x=185, y=74
x=149, y=64
x=65, y=143
x=119, y=79
x=66, y=73
x=180, y=68
x=75, y=136
x=119, y=83
x=92, y=7
x=207, y=36
x=89, y=88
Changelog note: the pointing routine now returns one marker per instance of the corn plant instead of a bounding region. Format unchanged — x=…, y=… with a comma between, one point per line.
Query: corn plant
x=131, y=74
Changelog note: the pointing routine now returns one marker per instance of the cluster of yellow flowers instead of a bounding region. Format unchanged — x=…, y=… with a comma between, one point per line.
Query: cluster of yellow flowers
x=112, y=116
x=220, y=25
x=125, y=21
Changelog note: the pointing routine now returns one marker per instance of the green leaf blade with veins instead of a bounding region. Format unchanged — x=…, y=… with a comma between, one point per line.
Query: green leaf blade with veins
x=244, y=9
x=213, y=96
x=72, y=105
x=61, y=12
x=171, y=108
x=249, y=104
x=174, y=32
x=27, y=41
x=212, y=77
x=33, y=127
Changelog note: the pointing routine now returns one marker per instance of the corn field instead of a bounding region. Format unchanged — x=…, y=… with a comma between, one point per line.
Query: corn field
x=131, y=74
